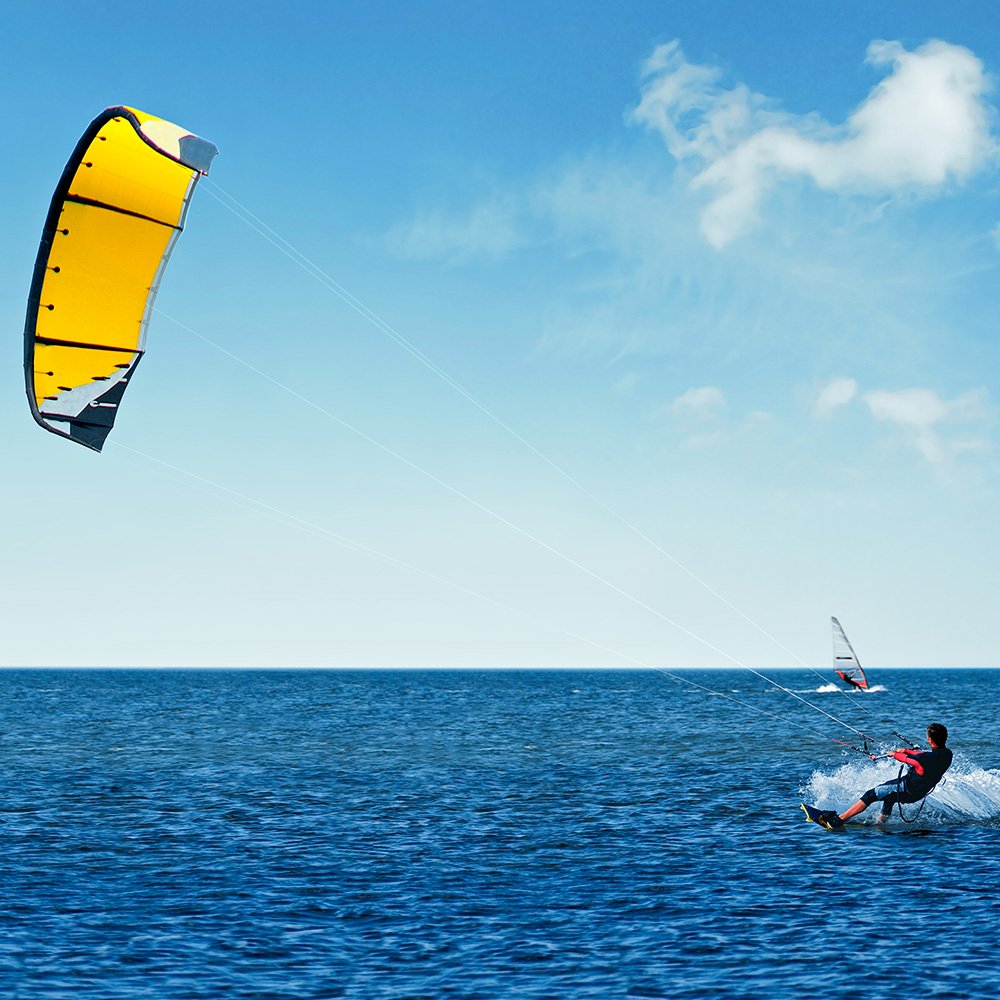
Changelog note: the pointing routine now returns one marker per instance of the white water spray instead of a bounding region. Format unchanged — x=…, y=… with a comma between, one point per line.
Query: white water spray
x=967, y=793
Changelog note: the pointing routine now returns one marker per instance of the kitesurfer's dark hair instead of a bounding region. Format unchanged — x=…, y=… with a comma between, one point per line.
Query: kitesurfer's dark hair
x=937, y=733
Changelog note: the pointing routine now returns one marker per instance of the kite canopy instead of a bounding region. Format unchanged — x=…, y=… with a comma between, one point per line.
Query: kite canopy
x=116, y=213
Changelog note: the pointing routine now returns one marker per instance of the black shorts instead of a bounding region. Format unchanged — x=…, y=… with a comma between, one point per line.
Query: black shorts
x=889, y=793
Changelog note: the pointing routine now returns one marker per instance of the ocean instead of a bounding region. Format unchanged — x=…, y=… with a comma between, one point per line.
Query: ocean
x=488, y=834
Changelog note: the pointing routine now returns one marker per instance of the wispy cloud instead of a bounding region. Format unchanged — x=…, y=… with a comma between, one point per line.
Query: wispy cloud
x=626, y=383
x=700, y=413
x=939, y=429
x=836, y=394
x=704, y=400
x=702, y=416
x=630, y=277
x=490, y=230
x=923, y=127
x=924, y=418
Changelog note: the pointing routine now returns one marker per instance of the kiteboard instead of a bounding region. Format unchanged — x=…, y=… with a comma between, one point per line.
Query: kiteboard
x=814, y=815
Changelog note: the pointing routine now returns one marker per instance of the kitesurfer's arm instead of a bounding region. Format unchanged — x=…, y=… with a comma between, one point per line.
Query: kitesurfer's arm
x=907, y=757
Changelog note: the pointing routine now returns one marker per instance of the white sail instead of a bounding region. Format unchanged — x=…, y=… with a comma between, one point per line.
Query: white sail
x=845, y=660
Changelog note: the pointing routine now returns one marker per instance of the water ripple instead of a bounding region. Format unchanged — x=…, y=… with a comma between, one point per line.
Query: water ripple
x=254, y=835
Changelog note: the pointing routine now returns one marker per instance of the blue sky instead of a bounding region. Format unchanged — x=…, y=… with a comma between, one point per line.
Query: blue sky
x=527, y=335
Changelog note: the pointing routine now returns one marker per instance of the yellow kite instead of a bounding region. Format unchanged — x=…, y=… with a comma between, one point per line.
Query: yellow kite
x=116, y=213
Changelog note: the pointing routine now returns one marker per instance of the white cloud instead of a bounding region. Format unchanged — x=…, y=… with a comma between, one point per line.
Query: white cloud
x=916, y=408
x=838, y=393
x=704, y=400
x=925, y=125
x=703, y=418
x=701, y=411
x=691, y=110
x=629, y=274
x=489, y=230
x=921, y=415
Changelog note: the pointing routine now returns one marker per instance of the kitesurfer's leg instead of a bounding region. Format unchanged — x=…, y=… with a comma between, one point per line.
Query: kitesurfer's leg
x=887, y=804
x=878, y=794
x=887, y=793
x=859, y=807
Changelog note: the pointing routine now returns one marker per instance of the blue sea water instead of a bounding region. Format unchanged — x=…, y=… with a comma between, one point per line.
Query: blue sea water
x=433, y=834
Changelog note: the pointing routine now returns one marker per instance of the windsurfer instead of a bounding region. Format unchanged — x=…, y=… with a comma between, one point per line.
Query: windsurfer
x=925, y=770
x=849, y=679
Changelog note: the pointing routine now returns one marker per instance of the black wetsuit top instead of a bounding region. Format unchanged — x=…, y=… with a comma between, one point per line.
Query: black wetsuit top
x=932, y=762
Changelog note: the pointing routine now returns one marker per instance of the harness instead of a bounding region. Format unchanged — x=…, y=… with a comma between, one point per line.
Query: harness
x=899, y=793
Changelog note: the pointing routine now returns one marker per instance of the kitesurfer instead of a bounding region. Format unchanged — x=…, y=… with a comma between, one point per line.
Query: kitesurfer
x=925, y=769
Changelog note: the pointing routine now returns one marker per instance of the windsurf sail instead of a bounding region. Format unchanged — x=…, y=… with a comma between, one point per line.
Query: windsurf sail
x=846, y=664
x=114, y=218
